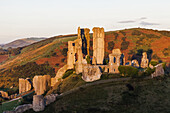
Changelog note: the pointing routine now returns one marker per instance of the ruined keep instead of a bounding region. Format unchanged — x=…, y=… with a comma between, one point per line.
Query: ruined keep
x=144, y=60
x=116, y=58
x=24, y=85
x=98, y=45
x=41, y=83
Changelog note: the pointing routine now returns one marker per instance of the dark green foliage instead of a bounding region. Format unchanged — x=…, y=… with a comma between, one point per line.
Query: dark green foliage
x=88, y=59
x=91, y=43
x=111, y=45
x=63, y=59
x=148, y=71
x=64, y=51
x=165, y=33
x=136, y=32
x=154, y=63
x=128, y=71
x=116, y=35
x=155, y=56
x=166, y=51
x=124, y=45
x=124, y=33
x=67, y=73
x=152, y=36
x=30, y=70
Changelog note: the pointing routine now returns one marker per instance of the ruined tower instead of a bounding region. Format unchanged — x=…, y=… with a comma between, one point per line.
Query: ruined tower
x=98, y=45
x=144, y=61
x=115, y=61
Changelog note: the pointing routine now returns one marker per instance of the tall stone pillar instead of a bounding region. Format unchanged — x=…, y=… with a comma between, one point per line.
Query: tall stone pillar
x=98, y=44
x=144, y=61
x=71, y=55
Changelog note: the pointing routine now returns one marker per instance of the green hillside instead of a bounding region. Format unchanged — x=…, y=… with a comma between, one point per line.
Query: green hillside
x=124, y=95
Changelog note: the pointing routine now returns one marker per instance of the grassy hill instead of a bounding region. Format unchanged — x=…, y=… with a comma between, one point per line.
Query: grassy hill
x=107, y=96
x=50, y=54
x=21, y=42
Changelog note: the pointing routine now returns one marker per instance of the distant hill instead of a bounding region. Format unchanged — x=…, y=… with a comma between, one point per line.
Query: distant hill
x=51, y=54
x=20, y=42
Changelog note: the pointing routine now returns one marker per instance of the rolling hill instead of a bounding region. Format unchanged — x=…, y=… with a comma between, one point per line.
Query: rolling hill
x=50, y=54
x=21, y=42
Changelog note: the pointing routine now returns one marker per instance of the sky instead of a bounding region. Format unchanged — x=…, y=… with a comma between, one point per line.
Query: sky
x=46, y=18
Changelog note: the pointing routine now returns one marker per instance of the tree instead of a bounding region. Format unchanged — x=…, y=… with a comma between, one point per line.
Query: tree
x=64, y=51
x=111, y=45
x=128, y=71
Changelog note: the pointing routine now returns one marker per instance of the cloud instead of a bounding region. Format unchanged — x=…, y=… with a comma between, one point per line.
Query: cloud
x=142, y=18
x=148, y=23
x=128, y=21
x=133, y=21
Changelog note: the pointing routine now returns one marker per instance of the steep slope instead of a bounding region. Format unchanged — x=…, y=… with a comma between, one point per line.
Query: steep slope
x=21, y=42
x=53, y=52
x=145, y=96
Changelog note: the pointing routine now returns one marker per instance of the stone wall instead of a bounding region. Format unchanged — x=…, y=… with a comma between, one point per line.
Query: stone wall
x=135, y=63
x=91, y=73
x=159, y=71
x=24, y=85
x=41, y=83
x=98, y=45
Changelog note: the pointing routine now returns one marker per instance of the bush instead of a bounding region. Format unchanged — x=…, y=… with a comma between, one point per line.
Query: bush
x=136, y=32
x=64, y=51
x=67, y=73
x=111, y=45
x=128, y=71
x=88, y=59
x=124, y=45
x=154, y=63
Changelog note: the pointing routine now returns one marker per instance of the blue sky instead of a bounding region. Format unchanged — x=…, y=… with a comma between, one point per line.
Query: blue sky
x=46, y=18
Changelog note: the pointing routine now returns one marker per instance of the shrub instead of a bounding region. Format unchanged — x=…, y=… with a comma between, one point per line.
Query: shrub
x=128, y=71
x=116, y=35
x=67, y=73
x=136, y=32
x=124, y=45
x=124, y=33
x=64, y=51
x=88, y=59
x=111, y=45
x=63, y=59
x=154, y=63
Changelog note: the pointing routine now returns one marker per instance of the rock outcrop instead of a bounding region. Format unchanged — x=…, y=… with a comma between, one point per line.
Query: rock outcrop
x=20, y=109
x=91, y=73
x=159, y=71
x=50, y=98
x=38, y=103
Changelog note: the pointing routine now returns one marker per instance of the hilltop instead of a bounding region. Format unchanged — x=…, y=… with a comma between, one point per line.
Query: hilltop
x=47, y=56
x=21, y=42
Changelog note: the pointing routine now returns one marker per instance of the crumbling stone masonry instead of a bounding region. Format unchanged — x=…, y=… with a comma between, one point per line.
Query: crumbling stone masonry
x=144, y=61
x=24, y=85
x=135, y=63
x=115, y=60
x=41, y=84
x=3, y=94
x=159, y=71
x=38, y=103
x=98, y=45
x=91, y=73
